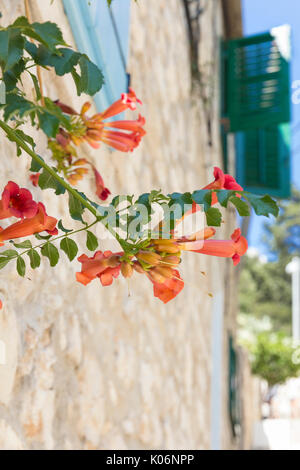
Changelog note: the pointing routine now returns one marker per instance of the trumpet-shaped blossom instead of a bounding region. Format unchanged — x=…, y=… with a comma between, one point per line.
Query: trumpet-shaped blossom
x=222, y=181
x=127, y=101
x=101, y=191
x=17, y=202
x=39, y=223
x=122, y=135
x=234, y=248
x=169, y=288
x=106, y=266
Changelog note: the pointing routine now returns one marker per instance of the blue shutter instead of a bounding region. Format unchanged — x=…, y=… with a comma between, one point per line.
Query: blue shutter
x=103, y=34
x=263, y=159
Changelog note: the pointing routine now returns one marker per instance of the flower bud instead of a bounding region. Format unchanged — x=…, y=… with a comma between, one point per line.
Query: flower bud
x=165, y=248
x=138, y=268
x=164, y=271
x=172, y=260
x=149, y=257
x=126, y=269
x=156, y=276
x=163, y=241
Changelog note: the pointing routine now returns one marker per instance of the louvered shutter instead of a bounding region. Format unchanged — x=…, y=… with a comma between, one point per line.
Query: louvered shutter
x=263, y=160
x=257, y=80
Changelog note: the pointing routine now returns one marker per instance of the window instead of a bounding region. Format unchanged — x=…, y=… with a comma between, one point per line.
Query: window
x=256, y=107
x=263, y=160
x=103, y=34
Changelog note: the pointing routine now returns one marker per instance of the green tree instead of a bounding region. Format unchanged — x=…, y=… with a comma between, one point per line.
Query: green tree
x=273, y=358
x=283, y=236
x=265, y=288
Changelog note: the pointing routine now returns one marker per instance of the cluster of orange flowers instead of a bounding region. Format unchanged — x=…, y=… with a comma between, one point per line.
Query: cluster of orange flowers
x=122, y=135
x=160, y=260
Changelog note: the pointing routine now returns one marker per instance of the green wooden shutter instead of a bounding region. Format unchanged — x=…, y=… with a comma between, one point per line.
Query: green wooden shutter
x=103, y=34
x=263, y=160
x=233, y=387
x=257, y=80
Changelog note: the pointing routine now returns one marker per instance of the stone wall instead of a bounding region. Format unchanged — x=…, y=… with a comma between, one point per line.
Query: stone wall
x=104, y=368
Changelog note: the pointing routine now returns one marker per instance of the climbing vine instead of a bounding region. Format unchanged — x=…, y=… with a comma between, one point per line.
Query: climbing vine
x=148, y=246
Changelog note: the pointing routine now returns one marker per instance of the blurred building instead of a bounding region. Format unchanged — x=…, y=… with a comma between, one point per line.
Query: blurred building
x=102, y=368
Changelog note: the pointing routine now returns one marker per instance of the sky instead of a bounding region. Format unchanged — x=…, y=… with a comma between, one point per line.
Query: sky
x=260, y=16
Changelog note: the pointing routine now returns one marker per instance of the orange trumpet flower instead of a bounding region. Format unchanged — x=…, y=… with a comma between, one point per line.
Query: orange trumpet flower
x=128, y=134
x=39, y=223
x=105, y=266
x=17, y=202
x=234, y=248
x=168, y=289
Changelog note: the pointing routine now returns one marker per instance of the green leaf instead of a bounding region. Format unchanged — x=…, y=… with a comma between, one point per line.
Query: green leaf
x=35, y=166
x=25, y=244
x=57, y=112
x=26, y=139
x=181, y=199
x=69, y=247
x=46, y=180
x=20, y=22
x=35, y=259
x=42, y=237
x=11, y=48
x=213, y=217
x=61, y=227
x=91, y=241
x=224, y=195
x=143, y=199
x=65, y=61
x=46, y=33
x=263, y=205
x=157, y=196
x=12, y=75
x=36, y=86
x=241, y=206
x=9, y=254
x=75, y=208
x=48, y=123
x=91, y=79
x=120, y=199
x=51, y=252
x=16, y=105
x=4, y=262
x=203, y=197
x=21, y=266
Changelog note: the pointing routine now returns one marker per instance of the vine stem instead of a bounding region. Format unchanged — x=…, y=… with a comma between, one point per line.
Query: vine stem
x=59, y=238
x=15, y=138
x=38, y=68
